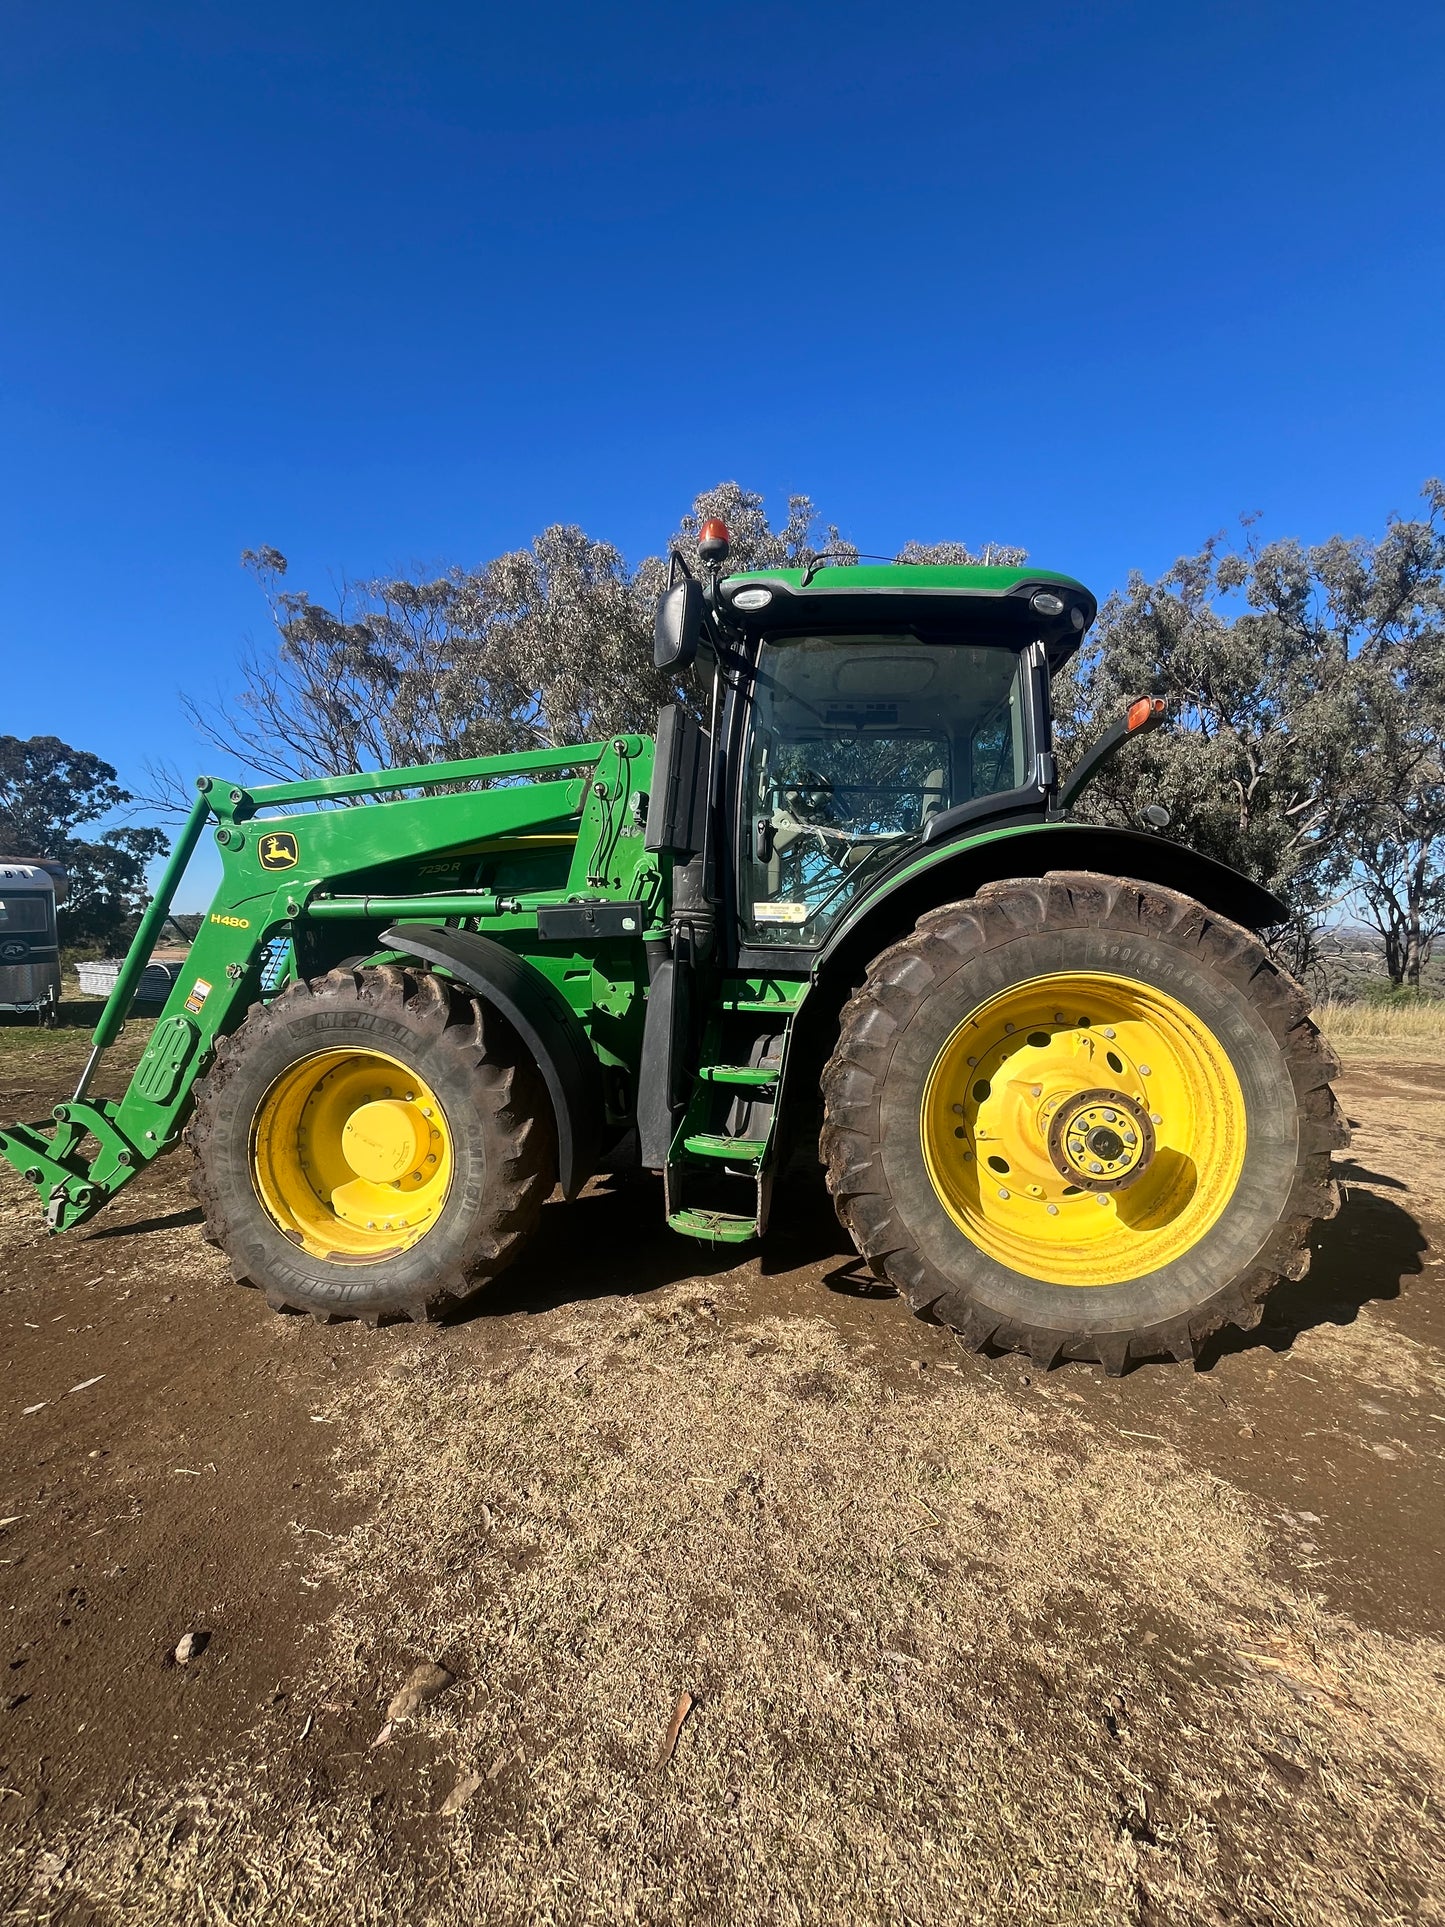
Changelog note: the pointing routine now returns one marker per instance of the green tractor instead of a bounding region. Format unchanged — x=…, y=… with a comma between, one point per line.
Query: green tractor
x=1064, y=1099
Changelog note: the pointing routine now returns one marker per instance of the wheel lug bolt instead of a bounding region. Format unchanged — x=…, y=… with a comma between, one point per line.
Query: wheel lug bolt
x=1036, y=1090
x=1144, y=1070
x=1095, y=1166
x=958, y=1110
x=1103, y=1197
x=1053, y=1211
x=1109, y=1117
x=1002, y=1193
x=1154, y=1118
x=1110, y=1035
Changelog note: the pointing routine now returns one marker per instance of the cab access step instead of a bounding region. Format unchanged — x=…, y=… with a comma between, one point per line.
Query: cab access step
x=720, y=1169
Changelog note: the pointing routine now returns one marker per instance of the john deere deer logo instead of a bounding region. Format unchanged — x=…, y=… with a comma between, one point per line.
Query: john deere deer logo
x=278, y=850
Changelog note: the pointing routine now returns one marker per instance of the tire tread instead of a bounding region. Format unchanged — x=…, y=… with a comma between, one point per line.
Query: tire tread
x=509, y=1087
x=898, y=980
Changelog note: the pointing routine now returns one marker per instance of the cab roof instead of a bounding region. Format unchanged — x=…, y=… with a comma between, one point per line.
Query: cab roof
x=977, y=602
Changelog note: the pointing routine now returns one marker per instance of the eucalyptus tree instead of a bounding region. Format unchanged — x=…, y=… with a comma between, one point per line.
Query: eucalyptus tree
x=1398, y=830
x=755, y=543
x=997, y=555
x=53, y=799
x=539, y=647
x=542, y=646
x=1306, y=692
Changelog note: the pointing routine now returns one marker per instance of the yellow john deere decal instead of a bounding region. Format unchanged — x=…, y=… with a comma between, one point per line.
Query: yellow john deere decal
x=279, y=851
x=231, y=923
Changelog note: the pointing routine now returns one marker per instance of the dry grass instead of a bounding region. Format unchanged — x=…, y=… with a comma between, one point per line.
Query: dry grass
x=955, y=1659
x=1406, y=1029
x=27, y=1048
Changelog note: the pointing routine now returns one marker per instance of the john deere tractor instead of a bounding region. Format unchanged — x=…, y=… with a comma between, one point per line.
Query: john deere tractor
x=836, y=910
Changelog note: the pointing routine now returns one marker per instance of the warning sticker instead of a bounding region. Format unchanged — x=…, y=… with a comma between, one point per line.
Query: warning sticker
x=200, y=991
x=780, y=912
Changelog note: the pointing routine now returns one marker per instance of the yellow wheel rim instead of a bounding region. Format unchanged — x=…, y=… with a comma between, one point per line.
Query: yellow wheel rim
x=351, y=1155
x=1083, y=1129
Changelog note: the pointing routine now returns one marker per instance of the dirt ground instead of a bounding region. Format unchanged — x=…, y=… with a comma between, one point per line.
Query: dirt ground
x=950, y=1640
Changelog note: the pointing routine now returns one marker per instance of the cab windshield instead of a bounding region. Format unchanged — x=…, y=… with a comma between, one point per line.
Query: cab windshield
x=857, y=741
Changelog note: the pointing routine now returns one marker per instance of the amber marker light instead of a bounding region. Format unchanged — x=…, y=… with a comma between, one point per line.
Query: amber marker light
x=1145, y=709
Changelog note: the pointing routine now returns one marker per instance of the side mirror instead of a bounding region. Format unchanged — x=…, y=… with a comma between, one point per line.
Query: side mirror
x=678, y=624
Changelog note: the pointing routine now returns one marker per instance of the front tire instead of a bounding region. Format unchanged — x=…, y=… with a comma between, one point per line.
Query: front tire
x=1083, y=1118
x=372, y=1143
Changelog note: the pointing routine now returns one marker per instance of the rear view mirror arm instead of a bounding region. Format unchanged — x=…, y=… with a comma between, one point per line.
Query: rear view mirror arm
x=1144, y=714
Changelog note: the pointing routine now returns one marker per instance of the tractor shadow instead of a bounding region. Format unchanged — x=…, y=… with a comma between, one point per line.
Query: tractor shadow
x=139, y=1227
x=1361, y=1257
x=612, y=1242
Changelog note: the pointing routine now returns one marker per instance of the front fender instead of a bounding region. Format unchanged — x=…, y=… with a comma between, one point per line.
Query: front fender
x=542, y=1018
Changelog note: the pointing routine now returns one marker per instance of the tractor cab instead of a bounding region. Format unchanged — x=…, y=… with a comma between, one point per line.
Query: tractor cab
x=867, y=710
x=854, y=745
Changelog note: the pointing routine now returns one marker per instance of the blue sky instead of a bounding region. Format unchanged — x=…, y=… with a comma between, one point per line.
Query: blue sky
x=382, y=285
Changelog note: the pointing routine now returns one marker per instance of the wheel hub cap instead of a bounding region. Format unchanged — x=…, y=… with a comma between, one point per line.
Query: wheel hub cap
x=1101, y=1140
x=351, y=1155
x=384, y=1140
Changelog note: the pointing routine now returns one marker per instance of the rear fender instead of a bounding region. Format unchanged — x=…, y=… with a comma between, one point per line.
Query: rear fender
x=542, y=1018
x=957, y=870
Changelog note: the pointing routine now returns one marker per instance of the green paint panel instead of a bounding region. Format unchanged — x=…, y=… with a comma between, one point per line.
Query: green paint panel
x=172, y=1046
x=909, y=577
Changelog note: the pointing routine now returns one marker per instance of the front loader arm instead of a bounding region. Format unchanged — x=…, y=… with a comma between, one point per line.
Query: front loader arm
x=276, y=871
x=222, y=973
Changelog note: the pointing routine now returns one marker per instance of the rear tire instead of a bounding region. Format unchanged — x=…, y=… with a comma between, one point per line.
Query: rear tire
x=1167, y=1273
x=260, y=1110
